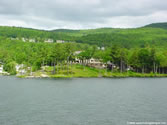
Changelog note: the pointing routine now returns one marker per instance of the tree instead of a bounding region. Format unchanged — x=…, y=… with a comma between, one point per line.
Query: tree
x=10, y=67
x=144, y=59
x=134, y=60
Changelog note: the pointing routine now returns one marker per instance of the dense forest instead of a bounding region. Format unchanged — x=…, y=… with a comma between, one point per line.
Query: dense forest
x=141, y=50
x=127, y=38
x=39, y=35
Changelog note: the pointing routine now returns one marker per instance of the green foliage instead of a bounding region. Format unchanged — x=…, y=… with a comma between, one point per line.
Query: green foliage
x=127, y=38
x=38, y=35
x=158, y=25
x=141, y=49
x=143, y=57
x=10, y=67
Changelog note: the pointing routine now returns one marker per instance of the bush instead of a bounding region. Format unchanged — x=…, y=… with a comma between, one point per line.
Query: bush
x=10, y=67
x=36, y=65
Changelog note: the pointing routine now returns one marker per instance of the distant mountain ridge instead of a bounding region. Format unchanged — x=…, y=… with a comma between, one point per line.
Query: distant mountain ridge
x=158, y=25
x=64, y=30
x=162, y=25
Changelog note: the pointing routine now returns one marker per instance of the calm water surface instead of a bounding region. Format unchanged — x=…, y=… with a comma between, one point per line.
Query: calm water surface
x=96, y=101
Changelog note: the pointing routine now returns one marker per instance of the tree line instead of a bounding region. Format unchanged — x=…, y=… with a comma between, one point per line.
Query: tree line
x=35, y=55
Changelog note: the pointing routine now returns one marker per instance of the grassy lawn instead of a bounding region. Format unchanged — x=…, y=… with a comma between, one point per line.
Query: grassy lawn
x=86, y=72
x=76, y=71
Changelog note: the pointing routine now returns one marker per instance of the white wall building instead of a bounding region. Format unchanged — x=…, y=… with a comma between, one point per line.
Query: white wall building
x=19, y=67
x=60, y=41
x=14, y=38
x=1, y=69
x=32, y=40
x=101, y=48
x=49, y=41
x=96, y=63
x=24, y=39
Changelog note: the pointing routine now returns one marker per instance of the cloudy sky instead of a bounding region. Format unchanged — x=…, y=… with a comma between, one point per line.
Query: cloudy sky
x=81, y=14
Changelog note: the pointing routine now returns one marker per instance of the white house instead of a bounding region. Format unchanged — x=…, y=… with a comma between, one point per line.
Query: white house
x=60, y=41
x=49, y=41
x=91, y=62
x=20, y=69
x=3, y=72
x=14, y=38
x=17, y=67
x=101, y=48
x=1, y=69
x=32, y=40
x=96, y=63
x=24, y=39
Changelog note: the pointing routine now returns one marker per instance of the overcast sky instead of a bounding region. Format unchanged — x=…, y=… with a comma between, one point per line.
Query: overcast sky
x=81, y=14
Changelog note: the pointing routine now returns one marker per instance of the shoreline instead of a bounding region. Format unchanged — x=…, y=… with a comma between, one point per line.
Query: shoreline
x=111, y=77
x=118, y=76
x=78, y=71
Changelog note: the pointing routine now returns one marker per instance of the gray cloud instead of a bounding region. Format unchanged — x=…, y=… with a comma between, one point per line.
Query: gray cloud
x=49, y=14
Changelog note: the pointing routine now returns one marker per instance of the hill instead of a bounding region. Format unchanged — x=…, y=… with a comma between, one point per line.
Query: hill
x=158, y=25
x=79, y=33
x=39, y=35
x=65, y=30
x=128, y=38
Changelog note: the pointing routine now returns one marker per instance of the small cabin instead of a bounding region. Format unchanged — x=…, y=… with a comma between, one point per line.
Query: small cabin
x=96, y=63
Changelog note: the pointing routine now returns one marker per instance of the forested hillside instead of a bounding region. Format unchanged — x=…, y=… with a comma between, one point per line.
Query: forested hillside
x=36, y=55
x=39, y=35
x=128, y=38
x=142, y=50
x=158, y=25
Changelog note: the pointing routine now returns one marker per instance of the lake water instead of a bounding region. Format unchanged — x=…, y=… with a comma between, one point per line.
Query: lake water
x=93, y=101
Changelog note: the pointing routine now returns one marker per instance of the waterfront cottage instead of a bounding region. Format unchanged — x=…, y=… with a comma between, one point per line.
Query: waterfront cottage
x=20, y=69
x=1, y=69
x=95, y=63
